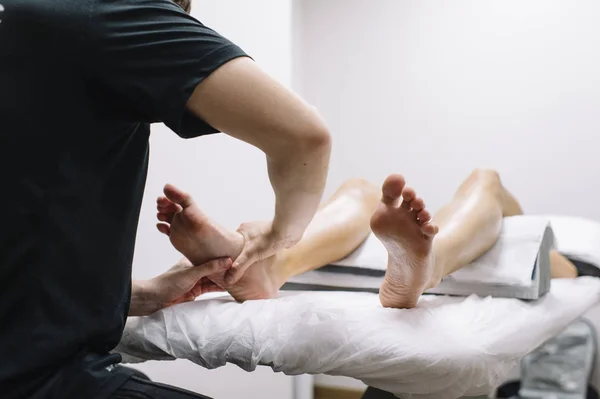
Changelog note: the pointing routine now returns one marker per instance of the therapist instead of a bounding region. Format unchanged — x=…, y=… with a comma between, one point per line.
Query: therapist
x=80, y=82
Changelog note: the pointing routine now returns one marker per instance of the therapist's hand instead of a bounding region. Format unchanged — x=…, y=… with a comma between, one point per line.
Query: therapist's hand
x=182, y=283
x=261, y=241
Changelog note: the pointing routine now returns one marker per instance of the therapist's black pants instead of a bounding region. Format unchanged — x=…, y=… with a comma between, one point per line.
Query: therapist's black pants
x=141, y=388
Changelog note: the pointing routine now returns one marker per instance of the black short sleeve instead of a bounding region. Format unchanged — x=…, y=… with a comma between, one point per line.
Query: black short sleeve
x=150, y=55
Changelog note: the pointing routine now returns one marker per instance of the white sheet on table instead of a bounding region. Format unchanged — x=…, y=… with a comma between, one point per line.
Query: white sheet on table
x=577, y=237
x=445, y=348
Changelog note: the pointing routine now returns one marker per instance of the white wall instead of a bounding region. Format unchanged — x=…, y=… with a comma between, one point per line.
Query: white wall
x=227, y=178
x=433, y=89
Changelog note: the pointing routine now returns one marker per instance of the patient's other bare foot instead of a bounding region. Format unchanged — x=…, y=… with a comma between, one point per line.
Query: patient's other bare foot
x=191, y=232
x=406, y=231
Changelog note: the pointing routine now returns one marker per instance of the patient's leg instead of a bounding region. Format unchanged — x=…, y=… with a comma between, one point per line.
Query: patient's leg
x=338, y=228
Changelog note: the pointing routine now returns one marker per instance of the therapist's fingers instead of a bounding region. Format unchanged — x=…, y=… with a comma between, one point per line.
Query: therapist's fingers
x=215, y=266
x=188, y=297
x=205, y=286
x=246, y=259
x=242, y=262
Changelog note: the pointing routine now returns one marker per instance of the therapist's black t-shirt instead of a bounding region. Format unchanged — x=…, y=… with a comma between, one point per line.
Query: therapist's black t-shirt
x=80, y=81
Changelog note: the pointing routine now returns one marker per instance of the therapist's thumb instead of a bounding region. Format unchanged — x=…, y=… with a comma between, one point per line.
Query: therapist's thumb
x=236, y=272
x=215, y=266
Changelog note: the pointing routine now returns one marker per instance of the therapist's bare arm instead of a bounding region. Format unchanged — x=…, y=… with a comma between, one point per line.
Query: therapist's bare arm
x=181, y=283
x=242, y=101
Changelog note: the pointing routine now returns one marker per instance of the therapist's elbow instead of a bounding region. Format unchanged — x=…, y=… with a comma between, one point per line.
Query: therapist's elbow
x=318, y=139
x=313, y=137
x=305, y=137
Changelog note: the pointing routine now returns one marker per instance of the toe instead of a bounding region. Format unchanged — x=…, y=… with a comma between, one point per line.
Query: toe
x=178, y=196
x=424, y=216
x=430, y=229
x=408, y=195
x=392, y=189
x=163, y=228
x=165, y=217
x=417, y=204
x=171, y=208
x=163, y=201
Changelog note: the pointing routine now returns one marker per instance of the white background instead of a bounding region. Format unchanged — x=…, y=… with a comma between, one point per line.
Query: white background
x=428, y=89
x=434, y=89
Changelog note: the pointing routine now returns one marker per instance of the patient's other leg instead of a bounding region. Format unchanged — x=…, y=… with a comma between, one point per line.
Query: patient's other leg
x=560, y=266
x=471, y=222
x=468, y=227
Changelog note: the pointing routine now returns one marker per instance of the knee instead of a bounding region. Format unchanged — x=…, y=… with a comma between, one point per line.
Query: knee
x=485, y=178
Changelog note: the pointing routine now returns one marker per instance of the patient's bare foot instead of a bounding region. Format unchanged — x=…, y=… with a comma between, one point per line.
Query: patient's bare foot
x=199, y=239
x=191, y=232
x=262, y=280
x=406, y=230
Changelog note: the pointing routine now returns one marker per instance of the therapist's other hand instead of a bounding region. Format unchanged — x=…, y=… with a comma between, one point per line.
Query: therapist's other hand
x=261, y=241
x=184, y=282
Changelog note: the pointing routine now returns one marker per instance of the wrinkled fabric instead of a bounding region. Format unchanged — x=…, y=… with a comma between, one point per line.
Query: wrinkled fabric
x=445, y=348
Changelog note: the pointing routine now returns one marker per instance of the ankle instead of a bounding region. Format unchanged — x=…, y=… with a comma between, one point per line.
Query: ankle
x=282, y=268
x=237, y=243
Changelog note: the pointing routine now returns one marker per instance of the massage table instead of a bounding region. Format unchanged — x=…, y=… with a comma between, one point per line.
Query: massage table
x=447, y=347
x=580, y=239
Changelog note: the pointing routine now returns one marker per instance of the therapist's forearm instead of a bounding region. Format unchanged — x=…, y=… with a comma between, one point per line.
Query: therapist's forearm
x=143, y=301
x=298, y=174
